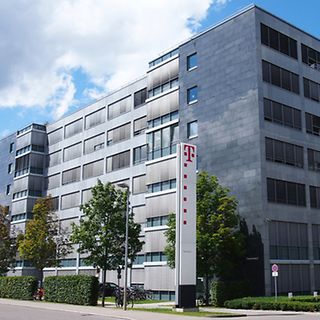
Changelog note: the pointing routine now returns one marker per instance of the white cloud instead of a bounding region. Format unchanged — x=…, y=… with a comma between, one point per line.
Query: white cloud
x=42, y=42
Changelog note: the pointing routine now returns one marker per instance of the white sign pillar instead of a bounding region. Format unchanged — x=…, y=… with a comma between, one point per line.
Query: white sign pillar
x=185, y=259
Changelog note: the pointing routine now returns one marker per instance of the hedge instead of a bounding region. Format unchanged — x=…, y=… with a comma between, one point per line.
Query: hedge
x=222, y=291
x=269, y=303
x=77, y=289
x=22, y=287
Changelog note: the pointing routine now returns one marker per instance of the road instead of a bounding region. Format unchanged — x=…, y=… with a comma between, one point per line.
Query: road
x=29, y=310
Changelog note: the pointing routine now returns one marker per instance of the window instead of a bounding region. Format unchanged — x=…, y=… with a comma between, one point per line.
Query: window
x=310, y=57
x=93, y=169
x=311, y=89
x=139, y=154
x=139, y=125
x=94, y=144
x=118, y=161
x=72, y=152
x=163, y=87
x=95, y=118
x=316, y=241
x=67, y=263
x=155, y=257
x=157, y=221
x=288, y=240
x=278, y=41
x=312, y=124
x=162, y=186
x=313, y=160
x=192, y=95
x=120, y=107
x=139, y=184
x=280, y=77
x=192, y=61
x=283, y=152
x=140, y=98
x=192, y=129
x=314, y=197
x=70, y=200
x=55, y=203
x=71, y=176
x=73, y=128
x=139, y=259
x=86, y=196
x=54, y=158
x=19, y=194
x=118, y=134
x=10, y=165
x=55, y=136
x=163, y=119
x=8, y=189
x=164, y=57
x=286, y=192
x=162, y=142
x=11, y=148
x=53, y=181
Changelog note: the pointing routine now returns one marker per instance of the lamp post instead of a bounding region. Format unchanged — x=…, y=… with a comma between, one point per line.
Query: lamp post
x=125, y=186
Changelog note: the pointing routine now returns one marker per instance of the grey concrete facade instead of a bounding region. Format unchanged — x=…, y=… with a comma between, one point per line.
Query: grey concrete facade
x=233, y=130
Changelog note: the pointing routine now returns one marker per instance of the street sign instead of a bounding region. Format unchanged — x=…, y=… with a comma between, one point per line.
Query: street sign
x=275, y=273
x=275, y=268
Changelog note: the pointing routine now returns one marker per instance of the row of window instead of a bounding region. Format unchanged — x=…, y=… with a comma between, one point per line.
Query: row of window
x=30, y=127
x=32, y=147
x=150, y=257
x=98, y=117
x=25, y=193
x=157, y=221
x=162, y=186
x=163, y=87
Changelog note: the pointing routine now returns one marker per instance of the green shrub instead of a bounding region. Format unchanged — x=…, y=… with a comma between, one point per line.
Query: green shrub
x=21, y=288
x=222, y=291
x=269, y=303
x=78, y=289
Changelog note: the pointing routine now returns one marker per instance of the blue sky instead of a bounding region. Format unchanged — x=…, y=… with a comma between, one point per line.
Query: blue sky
x=62, y=55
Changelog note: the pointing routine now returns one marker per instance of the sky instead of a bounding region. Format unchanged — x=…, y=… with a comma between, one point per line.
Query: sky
x=59, y=56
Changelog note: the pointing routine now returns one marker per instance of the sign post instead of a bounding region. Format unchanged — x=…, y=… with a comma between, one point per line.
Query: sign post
x=185, y=259
x=275, y=274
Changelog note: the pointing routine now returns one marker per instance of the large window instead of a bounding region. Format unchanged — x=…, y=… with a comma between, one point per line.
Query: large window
x=312, y=124
x=54, y=158
x=278, y=41
x=163, y=87
x=94, y=144
x=192, y=61
x=93, y=169
x=286, y=192
x=192, y=95
x=157, y=221
x=310, y=56
x=283, y=152
x=311, y=89
x=119, y=134
x=314, y=197
x=70, y=200
x=282, y=114
x=162, y=142
x=73, y=128
x=288, y=240
x=316, y=241
x=139, y=125
x=72, y=152
x=139, y=184
x=55, y=136
x=120, y=107
x=162, y=186
x=192, y=129
x=139, y=154
x=95, y=118
x=164, y=57
x=313, y=160
x=280, y=77
x=163, y=119
x=70, y=176
x=140, y=98
x=53, y=181
x=155, y=257
x=118, y=161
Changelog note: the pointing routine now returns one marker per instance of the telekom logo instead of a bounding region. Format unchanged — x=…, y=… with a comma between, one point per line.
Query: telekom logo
x=189, y=152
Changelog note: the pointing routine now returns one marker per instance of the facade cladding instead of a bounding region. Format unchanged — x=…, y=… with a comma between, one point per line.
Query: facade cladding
x=247, y=93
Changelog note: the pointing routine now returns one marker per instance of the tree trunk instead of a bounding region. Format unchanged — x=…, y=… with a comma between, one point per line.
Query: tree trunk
x=206, y=299
x=103, y=285
x=40, y=285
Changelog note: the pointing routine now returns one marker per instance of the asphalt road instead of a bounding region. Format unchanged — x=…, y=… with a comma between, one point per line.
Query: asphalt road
x=10, y=312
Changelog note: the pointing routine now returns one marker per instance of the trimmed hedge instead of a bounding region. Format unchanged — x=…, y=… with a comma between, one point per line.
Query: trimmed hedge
x=21, y=288
x=269, y=303
x=222, y=291
x=78, y=289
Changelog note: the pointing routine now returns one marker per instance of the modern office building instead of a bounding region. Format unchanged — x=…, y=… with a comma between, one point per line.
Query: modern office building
x=247, y=93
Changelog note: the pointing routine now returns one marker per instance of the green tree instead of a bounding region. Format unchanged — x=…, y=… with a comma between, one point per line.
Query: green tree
x=7, y=243
x=101, y=233
x=43, y=243
x=219, y=242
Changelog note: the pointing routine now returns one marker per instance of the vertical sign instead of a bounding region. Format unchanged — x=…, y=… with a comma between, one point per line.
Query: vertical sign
x=186, y=226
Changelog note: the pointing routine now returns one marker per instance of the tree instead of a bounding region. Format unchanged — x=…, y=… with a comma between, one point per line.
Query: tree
x=43, y=243
x=7, y=243
x=219, y=242
x=101, y=233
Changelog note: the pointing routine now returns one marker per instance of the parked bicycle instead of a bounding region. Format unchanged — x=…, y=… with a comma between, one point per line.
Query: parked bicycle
x=133, y=294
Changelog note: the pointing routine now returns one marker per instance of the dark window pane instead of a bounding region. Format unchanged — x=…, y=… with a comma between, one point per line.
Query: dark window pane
x=306, y=88
x=293, y=48
x=285, y=79
x=301, y=195
x=274, y=39
x=289, y=152
x=267, y=109
x=292, y=193
x=275, y=75
x=313, y=197
x=287, y=116
x=308, y=122
x=284, y=44
x=271, y=190
x=265, y=71
x=277, y=112
x=279, y=151
x=314, y=93
x=281, y=196
x=297, y=118
x=304, y=53
x=295, y=83
x=299, y=156
x=264, y=35
x=269, y=149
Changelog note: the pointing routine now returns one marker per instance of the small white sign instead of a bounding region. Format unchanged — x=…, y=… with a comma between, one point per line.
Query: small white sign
x=275, y=273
